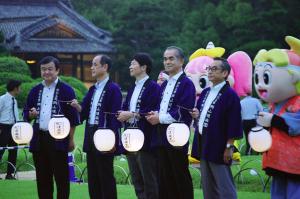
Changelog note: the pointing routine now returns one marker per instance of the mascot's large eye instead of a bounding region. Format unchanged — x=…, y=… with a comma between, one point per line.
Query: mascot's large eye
x=256, y=78
x=203, y=82
x=267, y=77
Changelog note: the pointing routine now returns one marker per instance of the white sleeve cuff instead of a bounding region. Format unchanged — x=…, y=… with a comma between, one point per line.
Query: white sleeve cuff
x=166, y=118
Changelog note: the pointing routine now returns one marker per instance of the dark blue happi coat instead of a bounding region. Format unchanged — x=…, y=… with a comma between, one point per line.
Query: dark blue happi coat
x=65, y=93
x=112, y=100
x=148, y=102
x=224, y=123
x=185, y=97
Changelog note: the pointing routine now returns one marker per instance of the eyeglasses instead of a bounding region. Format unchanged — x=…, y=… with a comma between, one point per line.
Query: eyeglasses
x=213, y=68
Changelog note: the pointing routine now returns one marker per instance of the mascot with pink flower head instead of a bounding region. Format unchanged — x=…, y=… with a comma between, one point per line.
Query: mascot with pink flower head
x=277, y=81
x=240, y=78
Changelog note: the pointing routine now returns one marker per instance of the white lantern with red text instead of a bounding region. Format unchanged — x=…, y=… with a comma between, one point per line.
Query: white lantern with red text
x=22, y=132
x=178, y=134
x=59, y=127
x=133, y=139
x=260, y=139
x=104, y=140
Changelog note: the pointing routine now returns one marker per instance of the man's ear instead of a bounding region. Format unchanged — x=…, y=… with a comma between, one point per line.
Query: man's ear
x=105, y=66
x=144, y=67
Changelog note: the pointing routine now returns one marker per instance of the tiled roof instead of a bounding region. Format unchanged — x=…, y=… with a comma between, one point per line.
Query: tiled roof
x=20, y=21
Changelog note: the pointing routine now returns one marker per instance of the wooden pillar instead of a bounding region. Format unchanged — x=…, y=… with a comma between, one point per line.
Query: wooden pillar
x=81, y=68
x=74, y=65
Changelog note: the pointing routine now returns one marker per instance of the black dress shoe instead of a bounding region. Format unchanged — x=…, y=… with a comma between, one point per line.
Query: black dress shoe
x=10, y=177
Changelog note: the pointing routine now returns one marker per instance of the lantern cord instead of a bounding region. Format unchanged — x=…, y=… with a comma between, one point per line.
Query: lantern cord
x=134, y=124
x=179, y=119
x=182, y=107
x=105, y=119
x=59, y=108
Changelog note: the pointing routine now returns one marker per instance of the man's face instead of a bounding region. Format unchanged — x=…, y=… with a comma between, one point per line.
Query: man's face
x=48, y=72
x=272, y=83
x=97, y=68
x=215, y=72
x=173, y=64
x=136, y=69
x=18, y=90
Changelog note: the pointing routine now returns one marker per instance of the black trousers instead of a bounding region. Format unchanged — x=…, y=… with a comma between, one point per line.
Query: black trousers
x=144, y=175
x=247, y=126
x=49, y=164
x=101, y=180
x=175, y=181
x=6, y=140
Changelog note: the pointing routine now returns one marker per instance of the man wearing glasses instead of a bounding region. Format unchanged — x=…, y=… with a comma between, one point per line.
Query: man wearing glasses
x=219, y=113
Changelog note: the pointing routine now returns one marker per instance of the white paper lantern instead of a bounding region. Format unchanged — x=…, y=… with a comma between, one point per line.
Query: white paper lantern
x=22, y=132
x=104, y=140
x=260, y=139
x=133, y=139
x=178, y=134
x=59, y=127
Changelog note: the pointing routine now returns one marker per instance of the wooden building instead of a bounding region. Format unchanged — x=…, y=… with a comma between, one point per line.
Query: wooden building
x=36, y=28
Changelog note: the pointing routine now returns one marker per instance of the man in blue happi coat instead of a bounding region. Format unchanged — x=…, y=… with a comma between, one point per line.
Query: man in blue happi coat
x=219, y=112
x=99, y=109
x=177, y=96
x=50, y=156
x=142, y=98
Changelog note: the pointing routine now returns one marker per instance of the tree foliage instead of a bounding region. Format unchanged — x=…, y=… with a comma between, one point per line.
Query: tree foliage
x=152, y=25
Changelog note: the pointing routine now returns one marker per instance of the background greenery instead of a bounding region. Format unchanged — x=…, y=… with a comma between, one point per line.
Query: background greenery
x=152, y=25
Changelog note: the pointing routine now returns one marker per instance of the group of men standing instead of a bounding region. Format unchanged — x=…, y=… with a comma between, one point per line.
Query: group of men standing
x=158, y=170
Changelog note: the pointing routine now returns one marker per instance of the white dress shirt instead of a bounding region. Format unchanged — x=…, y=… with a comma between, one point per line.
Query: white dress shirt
x=214, y=90
x=136, y=92
x=46, y=104
x=6, y=110
x=99, y=89
x=164, y=116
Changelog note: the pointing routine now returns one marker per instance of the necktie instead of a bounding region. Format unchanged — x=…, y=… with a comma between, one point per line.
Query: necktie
x=13, y=109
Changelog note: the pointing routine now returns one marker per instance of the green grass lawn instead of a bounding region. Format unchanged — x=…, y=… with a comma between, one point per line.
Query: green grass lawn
x=249, y=184
x=27, y=190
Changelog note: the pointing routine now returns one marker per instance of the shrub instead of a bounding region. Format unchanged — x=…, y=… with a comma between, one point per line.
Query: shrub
x=14, y=65
x=75, y=83
x=5, y=77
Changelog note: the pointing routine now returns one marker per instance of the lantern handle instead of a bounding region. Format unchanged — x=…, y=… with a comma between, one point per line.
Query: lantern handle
x=105, y=119
x=135, y=120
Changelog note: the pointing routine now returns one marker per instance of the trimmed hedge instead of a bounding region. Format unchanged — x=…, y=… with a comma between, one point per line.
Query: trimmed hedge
x=75, y=83
x=5, y=77
x=14, y=65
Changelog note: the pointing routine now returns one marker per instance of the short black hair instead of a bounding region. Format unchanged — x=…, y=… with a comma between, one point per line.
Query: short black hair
x=178, y=50
x=12, y=84
x=106, y=60
x=49, y=59
x=144, y=59
x=225, y=65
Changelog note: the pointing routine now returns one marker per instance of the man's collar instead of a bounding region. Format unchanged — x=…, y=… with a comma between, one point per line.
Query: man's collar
x=99, y=83
x=142, y=81
x=53, y=84
x=175, y=77
x=218, y=86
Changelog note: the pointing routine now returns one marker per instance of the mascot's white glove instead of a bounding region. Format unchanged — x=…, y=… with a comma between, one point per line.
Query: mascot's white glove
x=264, y=119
